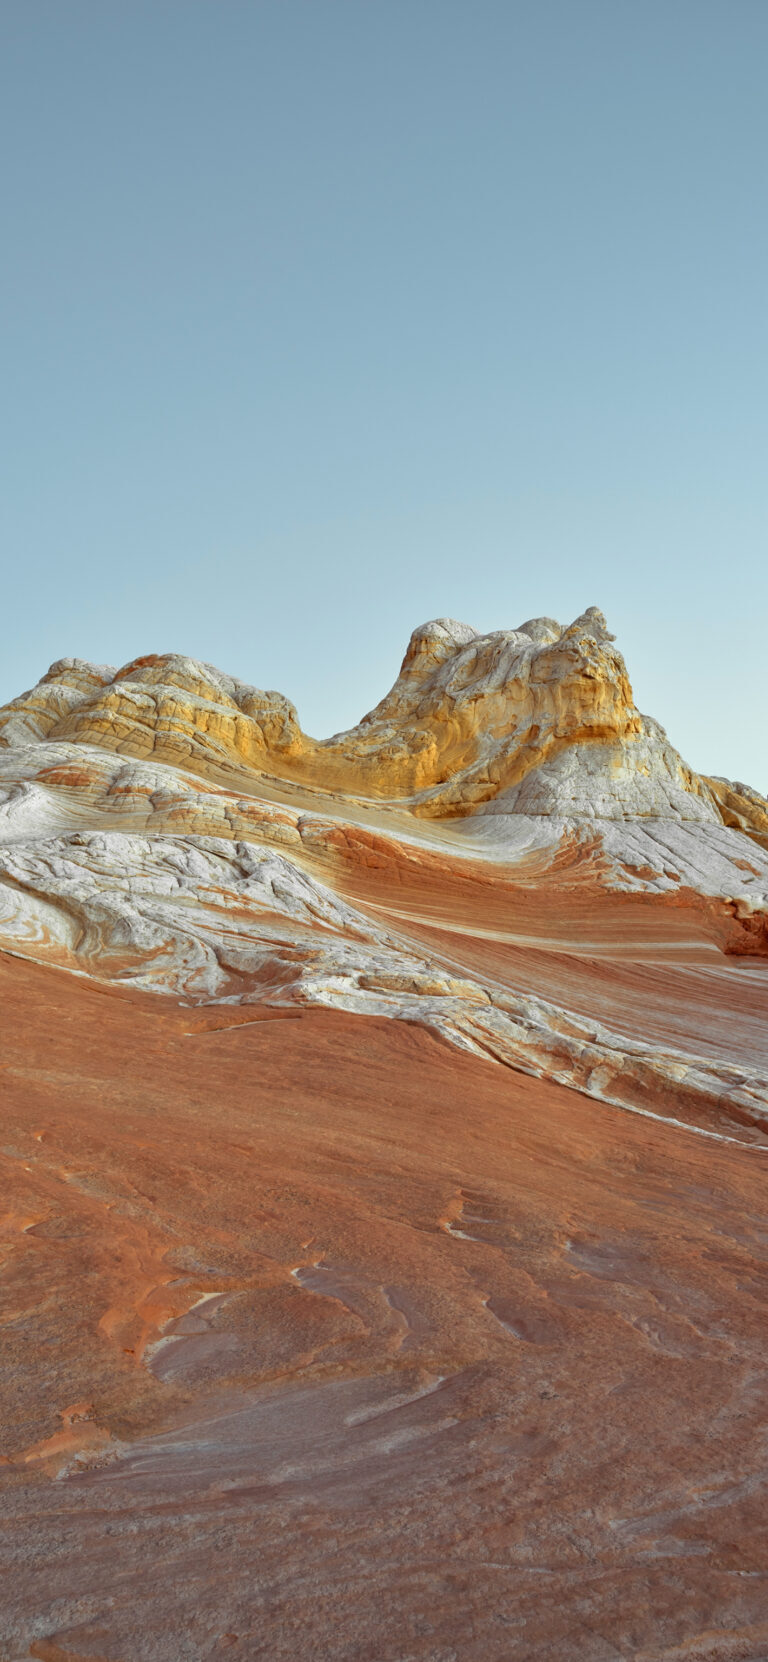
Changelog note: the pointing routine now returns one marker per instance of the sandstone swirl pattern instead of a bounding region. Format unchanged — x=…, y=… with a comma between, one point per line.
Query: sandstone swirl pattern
x=168, y=827
x=386, y=1139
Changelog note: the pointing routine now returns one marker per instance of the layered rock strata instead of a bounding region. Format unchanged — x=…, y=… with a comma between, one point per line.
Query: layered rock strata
x=386, y=1127
x=536, y=720
x=169, y=827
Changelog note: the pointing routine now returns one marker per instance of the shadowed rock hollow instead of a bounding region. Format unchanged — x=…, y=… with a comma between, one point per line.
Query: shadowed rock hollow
x=385, y=1138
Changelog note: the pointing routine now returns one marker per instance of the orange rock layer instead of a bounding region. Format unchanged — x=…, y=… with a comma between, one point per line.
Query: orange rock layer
x=325, y=1340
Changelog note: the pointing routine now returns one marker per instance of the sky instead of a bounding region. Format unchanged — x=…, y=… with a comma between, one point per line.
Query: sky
x=321, y=318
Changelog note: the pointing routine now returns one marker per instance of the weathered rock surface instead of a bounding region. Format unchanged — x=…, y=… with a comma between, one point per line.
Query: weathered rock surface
x=535, y=720
x=386, y=1127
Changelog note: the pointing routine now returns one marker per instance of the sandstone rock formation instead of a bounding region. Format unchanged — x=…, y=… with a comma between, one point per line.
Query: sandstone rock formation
x=535, y=720
x=387, y=1121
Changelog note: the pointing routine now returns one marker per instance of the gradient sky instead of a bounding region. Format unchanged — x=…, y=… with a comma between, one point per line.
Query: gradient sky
x=324, y=317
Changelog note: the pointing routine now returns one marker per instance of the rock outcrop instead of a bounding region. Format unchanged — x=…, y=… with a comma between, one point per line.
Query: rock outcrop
x=170, y=827
x=535, y=720
x=385, y=1142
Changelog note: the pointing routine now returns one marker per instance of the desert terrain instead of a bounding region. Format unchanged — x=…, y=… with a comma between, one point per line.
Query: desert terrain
x=384, y=1152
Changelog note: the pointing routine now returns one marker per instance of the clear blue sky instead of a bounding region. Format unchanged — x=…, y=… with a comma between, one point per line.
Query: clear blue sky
x=324, y=317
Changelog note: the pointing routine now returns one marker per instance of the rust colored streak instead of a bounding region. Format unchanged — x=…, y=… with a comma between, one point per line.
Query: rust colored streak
x=324, y=1339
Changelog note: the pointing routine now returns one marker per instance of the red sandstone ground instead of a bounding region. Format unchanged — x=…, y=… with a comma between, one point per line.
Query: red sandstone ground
x=480, y=1371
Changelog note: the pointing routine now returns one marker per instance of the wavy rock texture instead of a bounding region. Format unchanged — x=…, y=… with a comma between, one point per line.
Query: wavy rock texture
x=387, y=1121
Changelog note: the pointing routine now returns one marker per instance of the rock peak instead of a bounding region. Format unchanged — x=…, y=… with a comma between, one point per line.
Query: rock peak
x=536, y=720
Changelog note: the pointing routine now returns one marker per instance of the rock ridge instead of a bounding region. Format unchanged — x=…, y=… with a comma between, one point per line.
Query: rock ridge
x=170, y=827
x=535, y=720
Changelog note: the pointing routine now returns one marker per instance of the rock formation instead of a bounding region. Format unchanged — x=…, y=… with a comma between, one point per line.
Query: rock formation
x=537, y=720
x=500, y=1147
